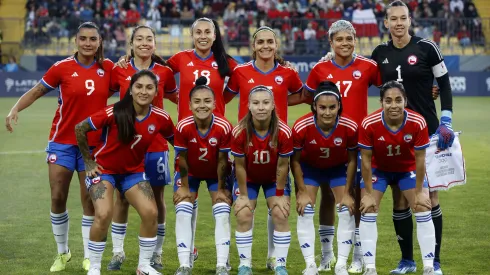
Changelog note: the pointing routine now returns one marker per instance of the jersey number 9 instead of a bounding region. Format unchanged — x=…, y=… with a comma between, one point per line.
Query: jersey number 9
x=90, y=86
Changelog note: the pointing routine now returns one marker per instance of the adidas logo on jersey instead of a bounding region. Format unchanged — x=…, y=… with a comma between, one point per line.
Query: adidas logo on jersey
x=190, y=64
x=251, y=80
x=385, y=61
x=160, y=177
x=128, y=78
x=193, y=140
x=74, y=74
x=330, y=76
x=313, y=142
x=381, y=138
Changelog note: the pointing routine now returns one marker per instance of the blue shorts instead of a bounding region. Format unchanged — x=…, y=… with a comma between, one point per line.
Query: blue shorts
x=194, y=183
x=66, y=155
x=121, y=182
x=254, y=188
x=335, y=176
x=405, y=180
x=157, y=168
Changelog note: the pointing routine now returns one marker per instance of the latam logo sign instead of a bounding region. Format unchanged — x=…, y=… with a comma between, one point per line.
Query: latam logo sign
x=19, y=85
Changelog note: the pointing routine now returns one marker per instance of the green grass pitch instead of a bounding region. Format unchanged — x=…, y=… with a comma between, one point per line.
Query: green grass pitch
x=27, y=245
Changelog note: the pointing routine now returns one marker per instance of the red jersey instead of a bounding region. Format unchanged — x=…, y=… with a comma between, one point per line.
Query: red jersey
x=191, y=67
x=281, y=80
x=260, y=158
x=353, y=82
x=83, y=91
x=324, y=151
x=394, y=151
x=120, y=158
x=203, y=149
x=121, y=78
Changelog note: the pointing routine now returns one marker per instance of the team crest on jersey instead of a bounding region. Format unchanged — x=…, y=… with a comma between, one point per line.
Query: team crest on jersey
x=279, y=80
x=95, y=180
x=374, y=178
x=356, y=74
x=412, y=60
x=214, y=65
x=52, y=158
x=100, y=72
x=237, y=191
x=337, y=141
x=213, y=141
x=151, y=129
x=407, y=138
x=178, y=183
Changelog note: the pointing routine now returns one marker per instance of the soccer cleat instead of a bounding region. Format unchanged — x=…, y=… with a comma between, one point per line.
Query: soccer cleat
x=404, y=267
x=311, y=270
x=221, y=270
x=428, y=270
x=86, y=264
x=437, y=268
x=281, y=270
x=183, y=270
x=93, y=271
x=356, y=267
x=327, y=261
x=116, y=261
x=244, y=270
x=341, y=270
x=60, y=262
x=156, y=261
x=146, y=270
x=195, y=253
x=271, y=263
x=370, y=271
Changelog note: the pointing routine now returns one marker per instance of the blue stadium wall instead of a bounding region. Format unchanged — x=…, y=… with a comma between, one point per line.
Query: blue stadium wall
x=462, y=83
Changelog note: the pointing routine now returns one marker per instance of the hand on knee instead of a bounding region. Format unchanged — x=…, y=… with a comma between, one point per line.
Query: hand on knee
x=244, y=219
x=279, y=217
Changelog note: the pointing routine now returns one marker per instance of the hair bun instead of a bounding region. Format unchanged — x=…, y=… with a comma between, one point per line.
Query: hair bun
x=201, y=81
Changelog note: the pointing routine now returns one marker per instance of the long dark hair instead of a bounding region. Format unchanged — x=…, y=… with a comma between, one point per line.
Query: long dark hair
x=327, y=88
x=155, y=58
x=124, y=112
x=217, y=48
x=277, y=57
x=246, y=124
x=390, y=85
x=99, y=54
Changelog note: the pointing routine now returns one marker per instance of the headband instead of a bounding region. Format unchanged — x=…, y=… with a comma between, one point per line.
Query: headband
x=326, y=93
x=203, y=19
x=263, y=28
x=88, y=23
x=259, y=89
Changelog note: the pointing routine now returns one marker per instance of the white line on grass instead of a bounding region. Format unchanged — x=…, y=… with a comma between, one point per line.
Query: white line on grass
x=22, y=152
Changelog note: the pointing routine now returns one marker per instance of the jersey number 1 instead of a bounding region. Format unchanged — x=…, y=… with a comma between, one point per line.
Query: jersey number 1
x=204, y=73
x=399, y=70
x=347, y=83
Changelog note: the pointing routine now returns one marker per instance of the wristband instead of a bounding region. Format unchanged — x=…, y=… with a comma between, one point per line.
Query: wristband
x=279, y=192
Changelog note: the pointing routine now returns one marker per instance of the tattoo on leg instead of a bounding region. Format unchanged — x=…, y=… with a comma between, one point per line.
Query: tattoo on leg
x=145, y=187
x=97, y=191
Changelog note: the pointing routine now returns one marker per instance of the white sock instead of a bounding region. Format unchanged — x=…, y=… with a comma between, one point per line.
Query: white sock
x=183, y=232
x=87, y=222
x=160, y=238
x=282, y=240
x=118, y=232
x=61, y=226
x=221, y=213
x=327, y=233
x=270, y=234
x=244, y=246
x=426, y=236
x=95, y=251
x=194, y=225
x=357, y=246
x=306, y=234
x=147, y=246
x=345, y=232
x=369, y=236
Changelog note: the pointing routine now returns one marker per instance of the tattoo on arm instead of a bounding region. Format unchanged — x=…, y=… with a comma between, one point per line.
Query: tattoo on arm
x=145, y=188
x=81, y=130
x=97, y=191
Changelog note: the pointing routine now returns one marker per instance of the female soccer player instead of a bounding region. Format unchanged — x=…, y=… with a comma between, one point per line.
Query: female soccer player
x=262, y=144
x=83, y=81
x=325, y=144
x=157, y=168
x=130, y=127
x=202, y=142
x=396, y=139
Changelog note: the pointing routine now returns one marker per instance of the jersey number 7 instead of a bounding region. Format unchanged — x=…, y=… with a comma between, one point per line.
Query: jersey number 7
x=347, y=83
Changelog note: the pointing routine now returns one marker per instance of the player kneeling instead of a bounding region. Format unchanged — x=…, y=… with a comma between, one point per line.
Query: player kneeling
x=393, y=141
x=262, y=145
x=325, y=145
x=130, y=126
x=203, y=142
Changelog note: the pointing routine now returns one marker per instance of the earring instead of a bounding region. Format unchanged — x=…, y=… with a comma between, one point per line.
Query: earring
x=130, y=93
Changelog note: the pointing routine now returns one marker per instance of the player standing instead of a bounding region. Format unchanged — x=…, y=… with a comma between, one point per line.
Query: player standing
x=157, y=167
x=202, y=141
x=353, y=74
x=395, y=139
x=415, y=62
x=262, y=144
x=325, y=144
x=83, y=82
x=130, y=127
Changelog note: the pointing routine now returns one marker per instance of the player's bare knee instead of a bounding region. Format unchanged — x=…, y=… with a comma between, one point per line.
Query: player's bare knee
x=103, y=218
x=244, y=217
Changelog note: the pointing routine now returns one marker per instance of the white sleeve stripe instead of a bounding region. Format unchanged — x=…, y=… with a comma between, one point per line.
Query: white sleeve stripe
x=436, y=48
x=299, y=129
x=181, y=127
x=348, y=126
x=418, y=119
x=439, y=69
x=302, y=122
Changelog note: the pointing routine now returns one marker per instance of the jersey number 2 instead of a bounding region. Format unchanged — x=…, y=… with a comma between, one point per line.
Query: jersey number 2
x=90, y=86
x=204, y=152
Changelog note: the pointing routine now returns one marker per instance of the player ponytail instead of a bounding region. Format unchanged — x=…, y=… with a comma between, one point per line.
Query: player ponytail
x=154, y=58
x=99, y=54
x=392, y=84
x=327, y=88
x=124, y=112
x=396, y=3
x=201, y=83
x=277, y=57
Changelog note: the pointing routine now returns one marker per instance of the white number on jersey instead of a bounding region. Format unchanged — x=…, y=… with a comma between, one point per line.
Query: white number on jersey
x=347, y=83
x=90, y=86
x=390, y=152
x=160, y=166
x=204, y=152
x=204, y=73
x=399, y=70
x=261, y=157
x=138, y=138
x=326, y=152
